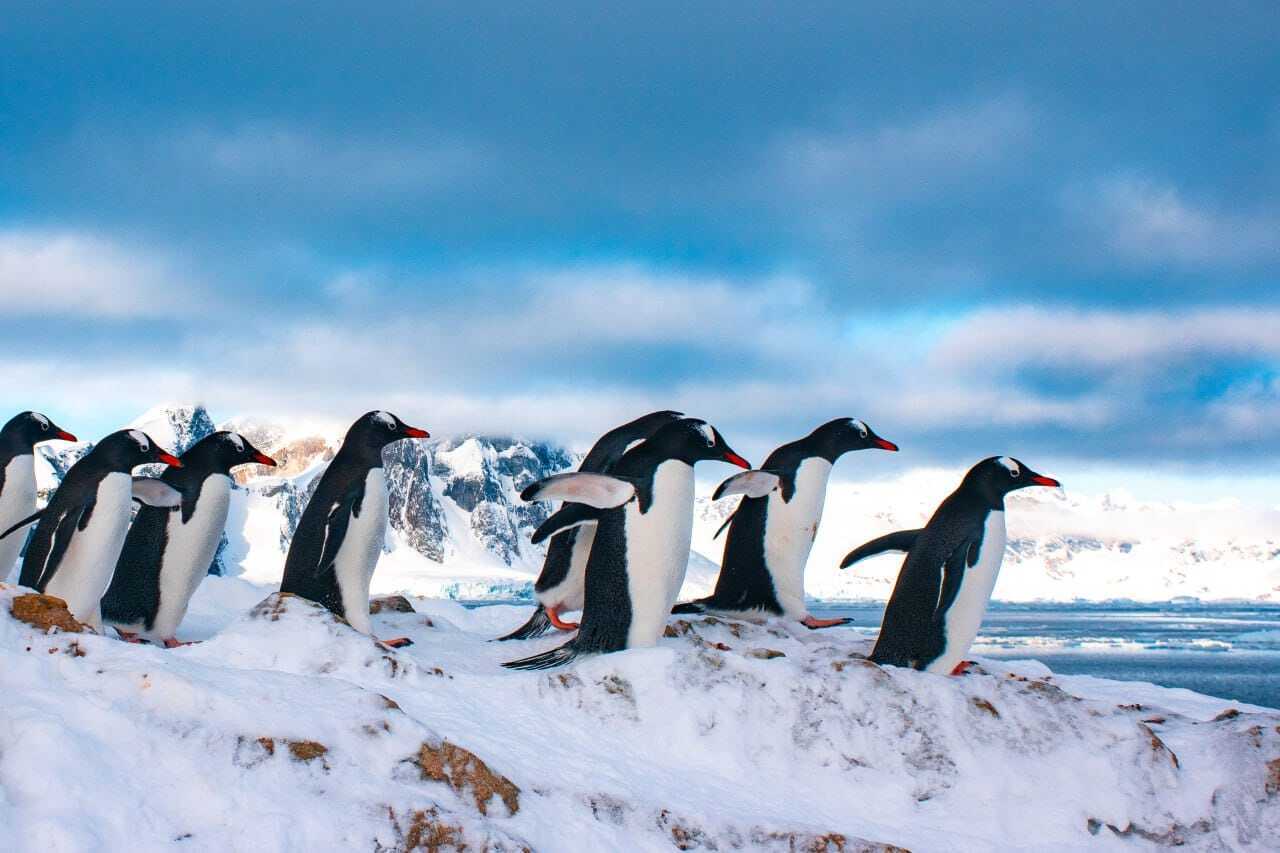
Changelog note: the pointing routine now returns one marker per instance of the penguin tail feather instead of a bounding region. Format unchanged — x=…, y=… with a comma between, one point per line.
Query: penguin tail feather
x=539, y=623
x=686, y=607
x=546, y=660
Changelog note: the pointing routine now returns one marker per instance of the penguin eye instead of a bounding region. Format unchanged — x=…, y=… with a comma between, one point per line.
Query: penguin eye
x=1015, y=473
x=391, y=426
x=44, y=426
x=863, y=432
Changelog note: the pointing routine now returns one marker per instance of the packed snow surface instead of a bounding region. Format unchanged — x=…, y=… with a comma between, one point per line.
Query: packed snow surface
x=287, y=730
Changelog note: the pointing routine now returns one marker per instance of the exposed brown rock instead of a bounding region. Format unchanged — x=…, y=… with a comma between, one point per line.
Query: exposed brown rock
x=765, y=654
x=306, y=750
x=463, y=771
x=291, y=459
x=984, y=705
x=1273, y=777
x=46, y=612
x=390, y=604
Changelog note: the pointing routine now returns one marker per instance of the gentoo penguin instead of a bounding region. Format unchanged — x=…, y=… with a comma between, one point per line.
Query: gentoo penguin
x=773, y=528
x=951, y=567
x=643, y=510
x=80, y=532
x=560, y=585
x=168, y=551
x=342, y=530
x=18, y=439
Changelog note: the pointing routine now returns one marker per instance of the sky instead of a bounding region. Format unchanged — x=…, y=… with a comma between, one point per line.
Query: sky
x=1050, y=230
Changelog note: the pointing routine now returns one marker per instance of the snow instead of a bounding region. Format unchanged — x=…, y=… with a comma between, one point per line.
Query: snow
x=727, y=735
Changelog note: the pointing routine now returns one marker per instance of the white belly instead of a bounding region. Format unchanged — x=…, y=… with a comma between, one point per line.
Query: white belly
x=86, y=568
x=658, y=551
x=569, y=593
x=189, y=551
x=360, y=550
x=17, y=501
x=789, y=532
x=964, y=618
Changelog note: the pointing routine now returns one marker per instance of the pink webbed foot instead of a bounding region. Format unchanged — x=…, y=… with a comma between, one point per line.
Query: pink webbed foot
x=553, y=613
x=174, y=643
x=131, y=637
x=813, y=623
x=963, y=667
x=397, y=643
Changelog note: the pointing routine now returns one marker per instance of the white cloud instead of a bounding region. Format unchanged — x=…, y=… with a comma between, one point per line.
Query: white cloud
x=75, y=273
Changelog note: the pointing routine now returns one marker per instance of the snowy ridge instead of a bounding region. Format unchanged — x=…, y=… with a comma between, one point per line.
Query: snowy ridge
x=288, y=730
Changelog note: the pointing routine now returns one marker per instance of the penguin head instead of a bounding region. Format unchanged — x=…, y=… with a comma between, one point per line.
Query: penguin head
x=374, y=430
x=842, y=435
x=126, y=449
x=996, y=476
x=27, y=429
x=692, y=440
x=219, y=452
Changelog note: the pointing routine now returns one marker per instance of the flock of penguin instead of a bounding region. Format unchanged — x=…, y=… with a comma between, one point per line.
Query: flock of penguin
x=617, y=548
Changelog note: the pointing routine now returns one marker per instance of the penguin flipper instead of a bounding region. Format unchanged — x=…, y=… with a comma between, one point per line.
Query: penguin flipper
x=601, y=491
x=77, y=517
x=335, y=526
x=539, y=623
x=964, y=556
x=546, y=660
x=725, y=526
x=901, y=540
x=152, y=491
x=567, y=517
x=28, y=520
x=753, y=484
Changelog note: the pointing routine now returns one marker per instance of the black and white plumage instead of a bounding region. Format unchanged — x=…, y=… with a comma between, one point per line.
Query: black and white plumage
x=341, y=533
x=643, y=512
x=950, y=570
x=76, y=543
x=561, y=583
x=773, y=527
x=18, y=439
x=168, y=551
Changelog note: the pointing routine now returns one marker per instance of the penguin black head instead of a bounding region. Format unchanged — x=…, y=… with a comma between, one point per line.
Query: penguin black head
x=995, y=477
x=27, y=429
x=610, y=446
x=375, y=430
x=219, y=452
x=842, y=435
x=126, y=449
x=692, y=440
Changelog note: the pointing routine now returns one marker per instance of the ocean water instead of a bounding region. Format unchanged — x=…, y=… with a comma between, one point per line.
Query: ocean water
x=1226, y=650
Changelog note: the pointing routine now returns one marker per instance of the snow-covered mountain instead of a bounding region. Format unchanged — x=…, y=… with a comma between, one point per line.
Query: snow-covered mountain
x=459, y=529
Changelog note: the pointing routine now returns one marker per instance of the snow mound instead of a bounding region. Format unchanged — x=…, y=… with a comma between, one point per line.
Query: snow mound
x=287, y=730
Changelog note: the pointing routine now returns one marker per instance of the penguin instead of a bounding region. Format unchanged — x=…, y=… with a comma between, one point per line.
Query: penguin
x=643, y=512
x=168, y=551
x=18, y=439
x=950, y=570
x=775, y=523
x=77, y=541
x=560, y=585
x=341, y=533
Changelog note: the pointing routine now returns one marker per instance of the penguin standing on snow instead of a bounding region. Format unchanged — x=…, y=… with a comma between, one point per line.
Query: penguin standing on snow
x=643, y=511
x=950, y=570
x=168, y=551
x=773, y=528
x=342, y=530
x=18, y=439
x=74, y=549
x=560, y=585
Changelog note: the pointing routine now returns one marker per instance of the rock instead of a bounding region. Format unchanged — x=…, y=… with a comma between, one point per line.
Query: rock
x=390, y=604
x=463, y=771
x=46, y=613
x=765, y=654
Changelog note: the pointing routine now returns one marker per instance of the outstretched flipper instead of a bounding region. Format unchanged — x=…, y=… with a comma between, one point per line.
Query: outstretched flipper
x=596, y=490
x=753, y=484
x=28, y=520
x=538, y=624
x=154, y=492
x=567, y=517
x=725, y=526
x=546, y=660
x=901, y=540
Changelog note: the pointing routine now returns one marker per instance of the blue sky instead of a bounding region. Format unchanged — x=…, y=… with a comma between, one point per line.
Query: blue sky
x=1051, y=230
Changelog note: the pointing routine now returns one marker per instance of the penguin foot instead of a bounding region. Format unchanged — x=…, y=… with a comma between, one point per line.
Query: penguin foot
x=553, y=613
x=132, y=637
x=397, y=643
x=174, y=643
x=963, y=667
x=813, y=623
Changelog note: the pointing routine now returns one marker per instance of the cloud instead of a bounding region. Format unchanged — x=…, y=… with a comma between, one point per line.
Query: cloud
x=63, y=272
x=1150, y=223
